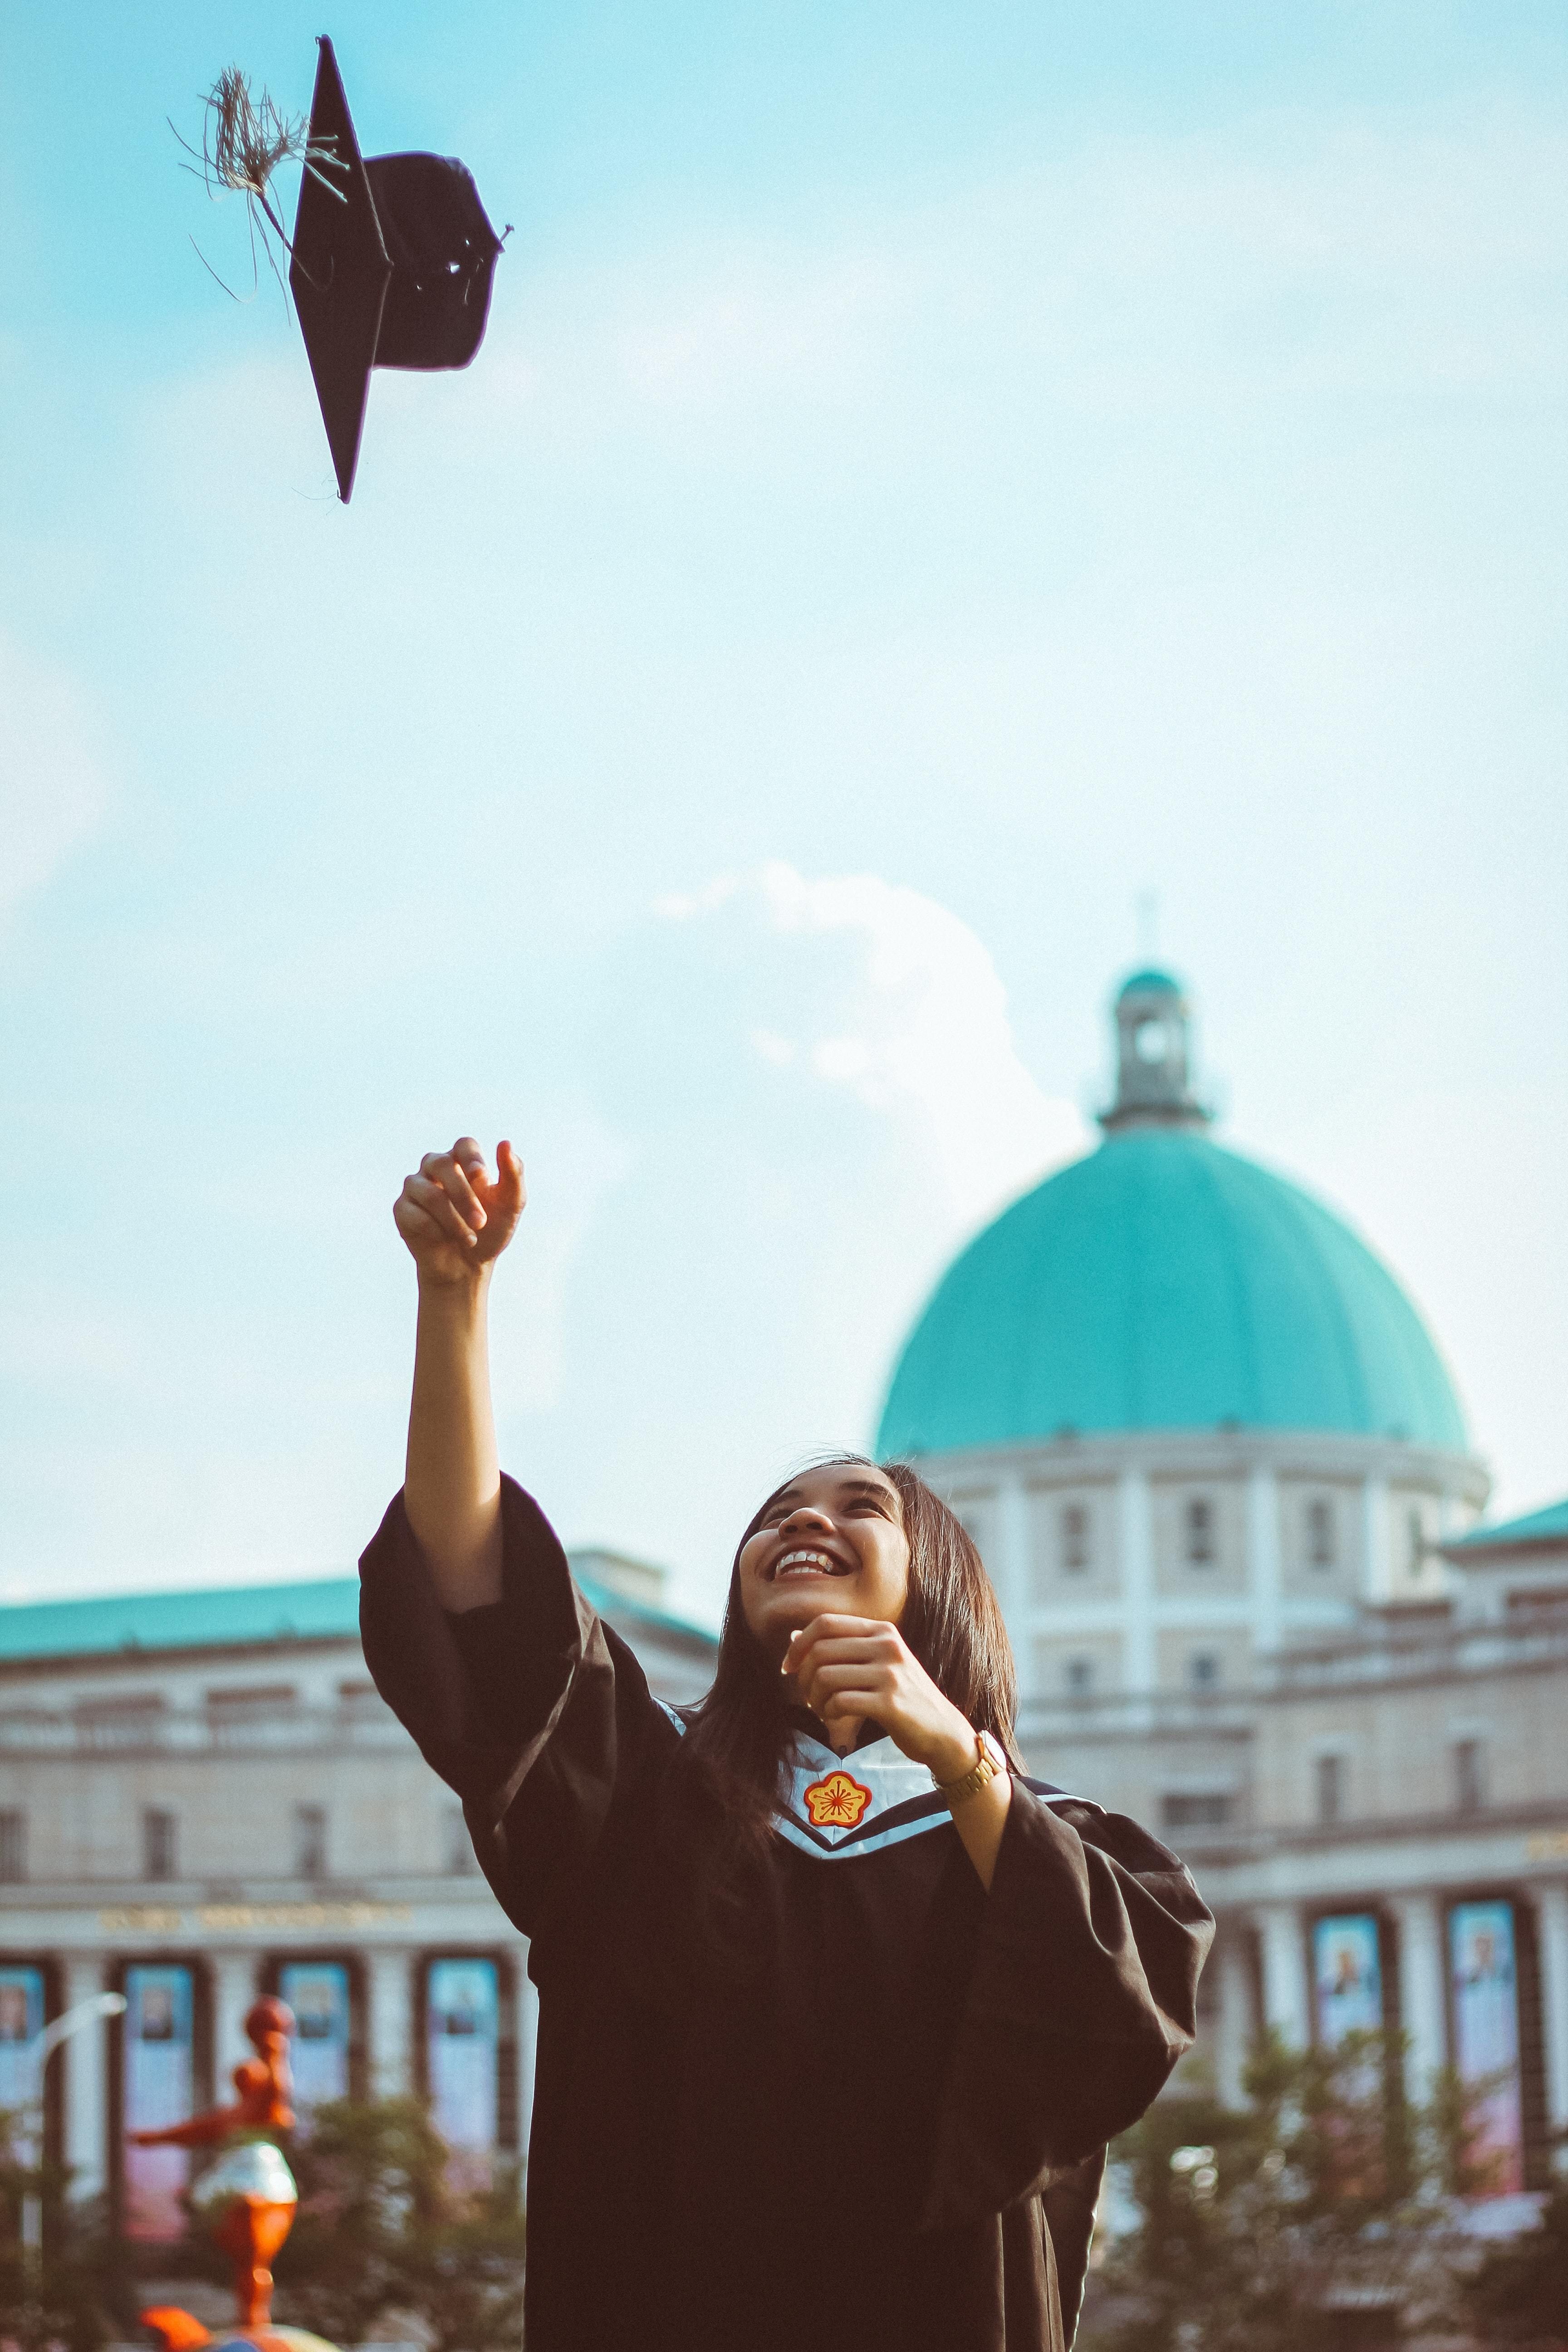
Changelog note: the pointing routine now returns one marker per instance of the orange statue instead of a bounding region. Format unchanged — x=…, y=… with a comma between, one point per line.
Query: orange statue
x=248, y=2197
x=262, y=2083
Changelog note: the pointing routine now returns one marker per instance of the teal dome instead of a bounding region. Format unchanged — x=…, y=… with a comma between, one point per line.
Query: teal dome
x=1164, y=1283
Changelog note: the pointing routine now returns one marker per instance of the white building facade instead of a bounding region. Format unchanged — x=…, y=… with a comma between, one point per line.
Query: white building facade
x=1221, y=1478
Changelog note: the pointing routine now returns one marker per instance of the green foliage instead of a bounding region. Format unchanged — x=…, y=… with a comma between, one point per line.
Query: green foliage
x=1258, y=2228
x=463, y=2272
x=74, y=2291
x=362, y=2172
x=385, y=2231
x=1519, y=2294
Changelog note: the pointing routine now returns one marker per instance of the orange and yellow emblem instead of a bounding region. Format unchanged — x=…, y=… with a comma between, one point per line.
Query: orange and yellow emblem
x=836, y=1802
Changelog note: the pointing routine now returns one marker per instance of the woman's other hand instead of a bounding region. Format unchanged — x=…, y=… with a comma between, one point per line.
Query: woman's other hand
x=849, y=1669
x=454, y=1215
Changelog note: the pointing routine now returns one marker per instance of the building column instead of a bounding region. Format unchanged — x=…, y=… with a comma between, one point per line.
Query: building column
x=1138, y=1581
x=1234, y=2026
x=1551, y=1926
x=85, y=2058
x=1286, y=2006
x=1263, y=1558
x=1421, y=1991
x=1377, y=1574
x=390, y=1994
x=1012, y=1571
x=233, y=1994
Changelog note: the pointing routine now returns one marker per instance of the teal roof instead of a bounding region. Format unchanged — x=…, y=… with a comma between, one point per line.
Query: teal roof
x=1150, y=982
x=1165, y=1283
x=236, y=1616
x=1543, y=1527
x=221, y=1618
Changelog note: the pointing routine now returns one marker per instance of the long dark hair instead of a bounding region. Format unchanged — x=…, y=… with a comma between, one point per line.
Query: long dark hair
x=737, y=1736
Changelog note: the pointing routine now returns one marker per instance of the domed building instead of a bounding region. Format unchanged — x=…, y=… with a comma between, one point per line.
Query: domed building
x=1189, y=1415
x=1222, y=1481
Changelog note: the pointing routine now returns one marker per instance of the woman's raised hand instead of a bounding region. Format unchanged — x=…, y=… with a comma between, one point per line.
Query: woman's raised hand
x=847, y=1670
x=454, y=1215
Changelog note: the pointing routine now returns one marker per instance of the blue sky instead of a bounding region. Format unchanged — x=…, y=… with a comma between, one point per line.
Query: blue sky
x=934, y=473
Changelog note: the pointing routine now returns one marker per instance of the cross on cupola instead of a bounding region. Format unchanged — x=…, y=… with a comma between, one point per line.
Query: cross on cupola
x=1154, y=1085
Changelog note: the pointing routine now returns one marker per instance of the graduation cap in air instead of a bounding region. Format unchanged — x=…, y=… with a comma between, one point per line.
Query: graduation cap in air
x=391, y=267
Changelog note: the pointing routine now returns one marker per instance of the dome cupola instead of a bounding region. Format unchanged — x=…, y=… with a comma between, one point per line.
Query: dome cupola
x=1162, y=1283
x=1154, y=1085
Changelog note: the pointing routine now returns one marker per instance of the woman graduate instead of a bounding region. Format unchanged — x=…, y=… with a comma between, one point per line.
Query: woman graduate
x=836, y=2009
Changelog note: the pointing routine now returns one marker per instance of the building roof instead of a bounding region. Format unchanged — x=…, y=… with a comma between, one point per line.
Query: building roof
x=239, y=1616
x=1164, y=1283
x=1149, y=981
x=1548, y=1525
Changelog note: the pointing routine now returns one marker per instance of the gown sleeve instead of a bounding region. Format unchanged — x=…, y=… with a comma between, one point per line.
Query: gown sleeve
x=533, y=1710
x=1082, y=1999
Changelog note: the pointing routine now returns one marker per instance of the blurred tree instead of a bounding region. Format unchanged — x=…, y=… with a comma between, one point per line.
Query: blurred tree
x=364, y=2171
x=75, y=2290
x=462, y=2275
x=1518, y=2295
x=385, y=2232
x=1320, y=2214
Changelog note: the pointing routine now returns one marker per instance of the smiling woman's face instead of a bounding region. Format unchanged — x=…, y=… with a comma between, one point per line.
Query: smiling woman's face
x=833, y=1539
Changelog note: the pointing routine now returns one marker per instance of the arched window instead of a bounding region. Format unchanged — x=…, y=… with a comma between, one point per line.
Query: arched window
x=1321, y=1548
x=1077, y=1553
x=1329, y=1775
x=1469, y=1776
x=1200, y=1531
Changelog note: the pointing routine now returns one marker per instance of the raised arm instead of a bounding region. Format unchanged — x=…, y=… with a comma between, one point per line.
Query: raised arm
x=456, y=1219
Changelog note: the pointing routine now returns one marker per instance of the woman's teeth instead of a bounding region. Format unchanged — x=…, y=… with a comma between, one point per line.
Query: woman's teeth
x=806, y=1563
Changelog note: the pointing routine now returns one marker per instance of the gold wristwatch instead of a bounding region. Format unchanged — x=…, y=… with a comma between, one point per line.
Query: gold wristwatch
x=989, y=1763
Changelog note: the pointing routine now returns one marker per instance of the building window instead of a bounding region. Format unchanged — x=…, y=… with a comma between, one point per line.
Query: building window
x=158, y=1843
x=1469, y=1776
x=1205, y=1809
x=1321, y=1548
x=310, y=1840
x=1330, y=1771
x=359, y=1704
x=239, y=1715
x=1203, y=1670
x=1077, y=1554
x=1080, y=1676
x=1200, y=1531
x=13, y=1848
x=460, y=1858
x=973, y=1516
x=1415, y=1543
x=133, y=1721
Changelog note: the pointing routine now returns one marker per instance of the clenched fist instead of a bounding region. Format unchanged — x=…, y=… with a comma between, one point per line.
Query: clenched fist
x=454, y=1215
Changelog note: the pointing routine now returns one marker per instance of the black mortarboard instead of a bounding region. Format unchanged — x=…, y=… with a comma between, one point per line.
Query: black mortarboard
x=392, y=263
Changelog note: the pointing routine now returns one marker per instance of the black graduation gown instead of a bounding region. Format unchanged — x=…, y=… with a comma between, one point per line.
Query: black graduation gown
x=887, y=2128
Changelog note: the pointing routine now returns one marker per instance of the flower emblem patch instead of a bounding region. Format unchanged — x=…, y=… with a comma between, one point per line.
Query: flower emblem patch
x=836, y=1802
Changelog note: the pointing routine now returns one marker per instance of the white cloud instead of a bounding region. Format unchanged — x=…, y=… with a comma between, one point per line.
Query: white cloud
x=924, y=1036
x=53, y=786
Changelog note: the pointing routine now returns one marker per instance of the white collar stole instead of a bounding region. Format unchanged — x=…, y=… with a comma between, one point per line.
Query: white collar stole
x=840, y=1806
x=837, y=1807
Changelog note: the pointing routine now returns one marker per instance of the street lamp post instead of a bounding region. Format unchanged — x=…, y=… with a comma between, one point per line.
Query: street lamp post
x=75, y=2020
